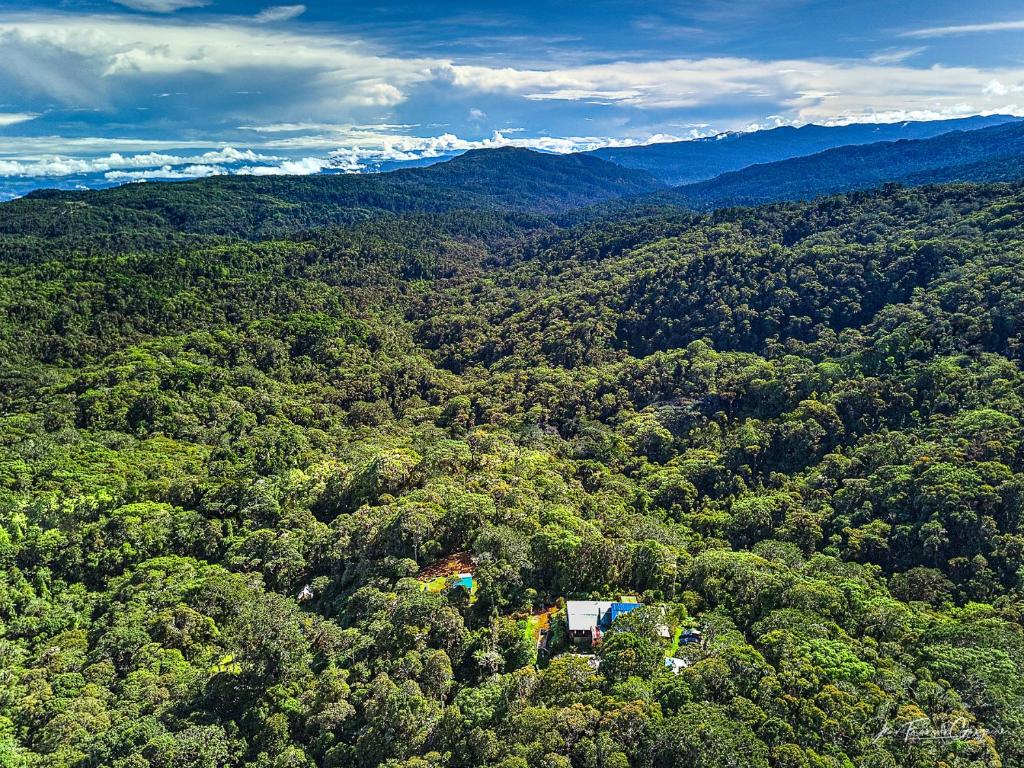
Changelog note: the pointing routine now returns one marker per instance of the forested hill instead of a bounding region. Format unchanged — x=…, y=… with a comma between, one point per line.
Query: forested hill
x=257, y=207
x=989, y=154
x=235, y=474
x=687, y=162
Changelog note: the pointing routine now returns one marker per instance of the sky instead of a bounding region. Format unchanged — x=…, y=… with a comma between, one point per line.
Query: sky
x=96, y=92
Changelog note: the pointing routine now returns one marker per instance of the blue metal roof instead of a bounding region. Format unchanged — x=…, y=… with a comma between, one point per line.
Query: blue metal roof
x=616, y=610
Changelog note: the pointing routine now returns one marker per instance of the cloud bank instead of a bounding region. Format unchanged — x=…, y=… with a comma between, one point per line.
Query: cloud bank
x=367, y=154
x=111, y=62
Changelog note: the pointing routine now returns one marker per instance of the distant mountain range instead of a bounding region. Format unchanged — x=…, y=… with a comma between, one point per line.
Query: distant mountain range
x=525, y=181
x=248, y=206
x=987, y=154
x=685, y=162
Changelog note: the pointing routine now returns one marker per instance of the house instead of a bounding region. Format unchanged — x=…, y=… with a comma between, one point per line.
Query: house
x=583, y=617
x=587, y=619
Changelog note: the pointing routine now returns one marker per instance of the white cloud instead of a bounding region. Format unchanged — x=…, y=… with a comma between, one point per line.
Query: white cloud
x=896, y=55
x=996, y=87
x=29, y=147
x=374, y=95
x=303, y=167
x=967, y=29
x=343, y=128
x=102, y=61
x=279, y=13
x=154, y=162
x=349, y=148
x=167, y=173
x=409, y=148
x=13, y=118
x=162, y=6
x=808, y=91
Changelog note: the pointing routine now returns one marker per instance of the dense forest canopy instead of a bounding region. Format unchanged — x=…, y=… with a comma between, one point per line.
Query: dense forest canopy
x=239, y=444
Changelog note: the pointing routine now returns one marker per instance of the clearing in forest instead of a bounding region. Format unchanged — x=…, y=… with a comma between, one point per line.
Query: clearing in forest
x=453, y=571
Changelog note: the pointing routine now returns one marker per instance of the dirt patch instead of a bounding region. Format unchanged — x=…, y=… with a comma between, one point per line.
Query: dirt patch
x=460, y=562
x=543, y=618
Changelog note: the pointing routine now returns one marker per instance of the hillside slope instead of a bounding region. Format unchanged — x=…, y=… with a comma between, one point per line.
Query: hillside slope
x=988, y=154
x=254, y=207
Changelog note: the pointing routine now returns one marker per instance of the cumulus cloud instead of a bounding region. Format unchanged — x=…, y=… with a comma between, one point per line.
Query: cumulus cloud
x=78, y=59
x=167, y=173
x=401, y=149
x=302, y=167
x=153, y=162
x=374, y=94
x=354, y=149
x=110, y=61
x=998, y=88
x=279, y=13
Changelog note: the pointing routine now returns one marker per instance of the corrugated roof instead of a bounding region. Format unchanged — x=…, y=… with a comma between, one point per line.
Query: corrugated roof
x=584, y=615
x=617, y=609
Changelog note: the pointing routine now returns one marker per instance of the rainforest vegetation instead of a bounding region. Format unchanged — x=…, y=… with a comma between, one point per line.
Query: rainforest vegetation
x=236, y=425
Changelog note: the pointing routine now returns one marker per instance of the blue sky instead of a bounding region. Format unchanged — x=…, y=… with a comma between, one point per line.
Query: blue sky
x=96, y=91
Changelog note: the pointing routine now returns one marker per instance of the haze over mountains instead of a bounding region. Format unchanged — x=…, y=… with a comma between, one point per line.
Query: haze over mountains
x=988, y=154
x=684, y=162
x=670, y=164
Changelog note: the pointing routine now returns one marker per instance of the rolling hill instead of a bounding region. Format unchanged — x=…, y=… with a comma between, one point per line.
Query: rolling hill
x=252, y=207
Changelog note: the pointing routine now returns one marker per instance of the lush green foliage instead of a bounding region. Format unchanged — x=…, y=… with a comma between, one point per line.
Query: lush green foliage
x=799, y=427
